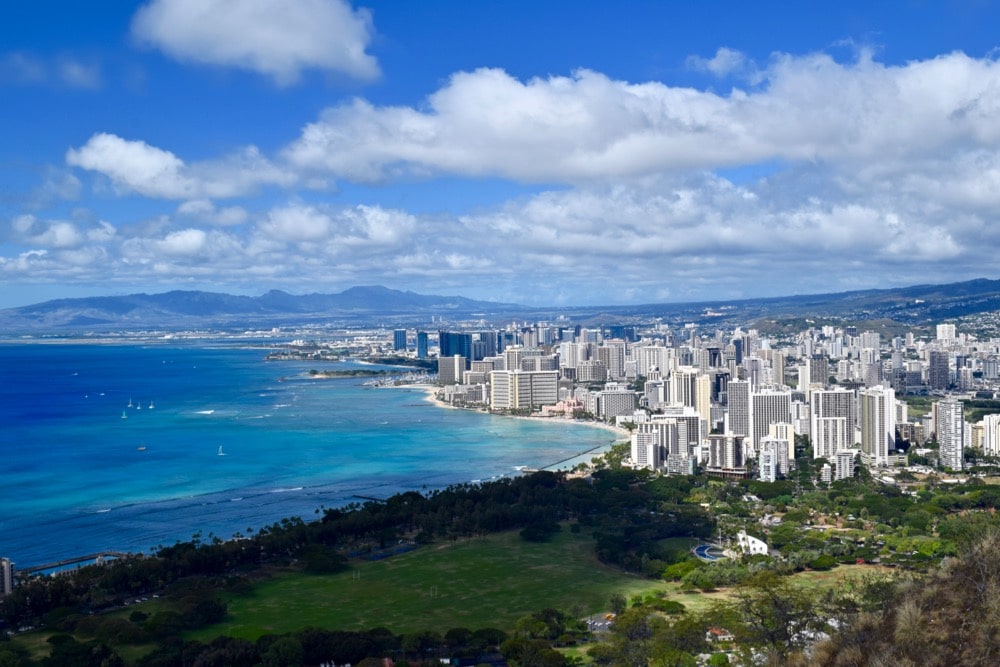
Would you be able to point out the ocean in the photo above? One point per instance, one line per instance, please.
(128, 447)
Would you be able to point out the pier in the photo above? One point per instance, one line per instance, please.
(98, 558)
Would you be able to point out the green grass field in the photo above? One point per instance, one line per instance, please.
(477, 583)
(482, 582)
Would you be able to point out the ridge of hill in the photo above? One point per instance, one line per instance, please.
(905, 306)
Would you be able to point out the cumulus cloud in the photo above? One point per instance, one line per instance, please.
(588, 127)
(278, 39)
(184, 242)
(296, 223)
(822, 176)
(47, 233)
(135, 166)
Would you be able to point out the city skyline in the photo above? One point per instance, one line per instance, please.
(563, 154)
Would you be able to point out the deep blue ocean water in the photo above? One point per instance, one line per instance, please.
(219, 441)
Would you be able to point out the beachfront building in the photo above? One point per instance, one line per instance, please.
(616, 399)
(451, 369)
(520, 390)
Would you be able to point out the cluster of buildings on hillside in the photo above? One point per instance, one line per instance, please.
(731, 403)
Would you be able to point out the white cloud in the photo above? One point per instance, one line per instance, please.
(135, 166)
(295, 223)
(588, 127)
(50, 234)
(725, 62)
(278, 39)
(205, 210)
(824, 176)
(184, 242)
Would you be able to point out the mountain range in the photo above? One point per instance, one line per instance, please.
(907, 306)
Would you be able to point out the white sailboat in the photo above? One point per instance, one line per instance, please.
(220, 451)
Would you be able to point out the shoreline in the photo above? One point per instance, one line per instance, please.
(430, 395)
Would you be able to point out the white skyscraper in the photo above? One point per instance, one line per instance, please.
(877, 419)
(831, 421)
(991, 435)
(951, 433)
(946, 332)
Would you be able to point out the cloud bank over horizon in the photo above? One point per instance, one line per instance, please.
(803, 173)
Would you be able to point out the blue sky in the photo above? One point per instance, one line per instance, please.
(535, 152)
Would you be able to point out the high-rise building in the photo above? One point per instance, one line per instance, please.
(845, 464)
(951, 433)
(615, 400)
(832, 419)
(767, 465)
(738, 415)
(946, 332)
(871, 340)
(725, 452)
(766, 408)
(517, 390)
(399, 339)
(592, 370)
(991, 435)
(877, 419)
(6, 576)
(692, 388)
(421, 344)
(451, 343)
(451, 369)
(784, 434)
(612, 353)
(938, 375)
(819, 370)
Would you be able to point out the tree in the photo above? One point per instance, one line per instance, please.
(776, 615)
(285, 652)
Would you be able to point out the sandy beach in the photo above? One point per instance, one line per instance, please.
(430, 395)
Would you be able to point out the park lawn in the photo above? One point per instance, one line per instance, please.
(482, 582)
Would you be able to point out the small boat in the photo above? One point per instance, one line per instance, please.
(130, 401)
(150, 405)
(124, 416)
(220, 451)
(141, 448)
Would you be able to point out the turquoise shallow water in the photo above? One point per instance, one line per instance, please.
(218, 441)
